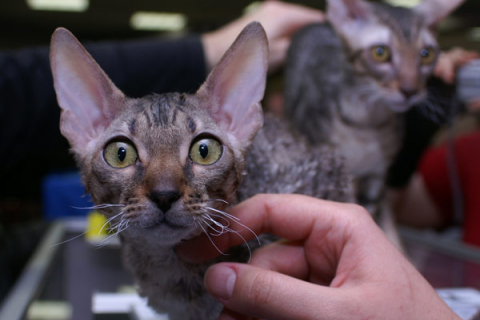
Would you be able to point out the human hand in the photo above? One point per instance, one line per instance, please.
(280, 21)
(450, 60)
(334, 264)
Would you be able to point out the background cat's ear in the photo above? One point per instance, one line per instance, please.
(347, 16)
(433, 11)
(236, 85)
(88, 98)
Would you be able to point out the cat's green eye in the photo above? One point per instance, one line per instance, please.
(120, 154)
(380, 54)
(428, 55)
(206, 151)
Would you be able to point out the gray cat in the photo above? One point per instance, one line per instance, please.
(164, 168)
(349, 81)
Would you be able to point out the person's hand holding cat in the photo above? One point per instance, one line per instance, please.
(450, 60)
(334, 264)
(280, 21)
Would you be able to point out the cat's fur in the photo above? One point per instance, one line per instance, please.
(336, 92)
(164, 197)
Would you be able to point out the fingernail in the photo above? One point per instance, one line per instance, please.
(221, 282)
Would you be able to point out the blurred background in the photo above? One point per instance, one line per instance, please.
(30, 23)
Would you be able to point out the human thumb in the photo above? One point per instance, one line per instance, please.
(266, 294)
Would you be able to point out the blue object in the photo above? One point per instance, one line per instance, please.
(64, 196)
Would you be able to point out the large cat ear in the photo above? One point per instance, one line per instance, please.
(433, 11)
(88, 98)
(347, 16)
(236, 85)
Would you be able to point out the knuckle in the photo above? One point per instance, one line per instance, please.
(358, 210)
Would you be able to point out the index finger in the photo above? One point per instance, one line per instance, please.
(292, 217)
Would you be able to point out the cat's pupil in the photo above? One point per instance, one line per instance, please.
(380, 51)
(425, 53)
(203, 150)
(122, 153)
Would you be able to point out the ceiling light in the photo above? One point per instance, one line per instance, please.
(252, 7)
(158, 21)
(59, 5)
(404, 3)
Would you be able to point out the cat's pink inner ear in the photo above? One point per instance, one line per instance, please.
(344, 11)
(89, 100)
(236, 85)
(433, 11)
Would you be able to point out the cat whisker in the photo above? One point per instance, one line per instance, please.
(227, 222)
(220, 200)
(223, 213)
(237, 220)
(110, 220)
(99, 206)
(90, 229)
(104, 242)
(120, 227)
(212, 223)
(225, 229)
(209, 238)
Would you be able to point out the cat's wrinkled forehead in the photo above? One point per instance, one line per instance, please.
(400, 23)
(404, 22)
(164, 117)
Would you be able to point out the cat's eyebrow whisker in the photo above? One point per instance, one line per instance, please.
(209, 238)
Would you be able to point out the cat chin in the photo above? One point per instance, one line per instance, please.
(399, 107)
(162, 234)
(402, 104)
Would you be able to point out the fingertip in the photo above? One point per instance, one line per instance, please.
(220, 281)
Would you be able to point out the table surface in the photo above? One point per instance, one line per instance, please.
(77, 269)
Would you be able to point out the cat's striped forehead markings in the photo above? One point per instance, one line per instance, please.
(160, 111)
(405, 24)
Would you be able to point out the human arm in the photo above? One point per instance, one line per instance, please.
(450, 60)
(280, 21)
(334, 264)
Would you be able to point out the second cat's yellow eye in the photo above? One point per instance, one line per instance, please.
(206, 151)
(119, 154)
(380, 54)
(428, 55)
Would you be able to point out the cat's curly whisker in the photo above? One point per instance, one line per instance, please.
(212, 222)
(223, 213)
(237, 220)
(218, 216)
(226, 229)
(219, 200)
(209, 238)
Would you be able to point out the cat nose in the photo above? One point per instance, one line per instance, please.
(165, 198)
(408, 93)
